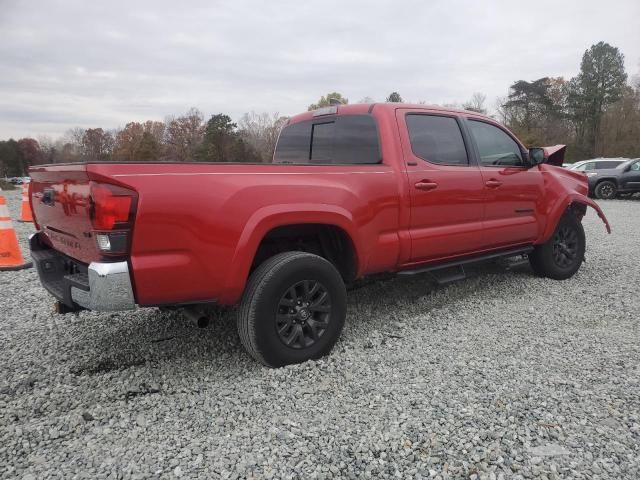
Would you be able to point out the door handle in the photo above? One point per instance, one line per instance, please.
(493, 183)
(426, 185)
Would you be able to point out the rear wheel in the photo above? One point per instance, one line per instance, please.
(606, 190)
(562, 255)
(293, 309)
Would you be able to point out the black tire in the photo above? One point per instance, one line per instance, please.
(561, 256)
(272, 313)
(606, 190)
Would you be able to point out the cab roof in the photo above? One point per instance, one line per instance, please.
(364, 108)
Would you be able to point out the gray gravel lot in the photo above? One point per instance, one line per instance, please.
(503, 375)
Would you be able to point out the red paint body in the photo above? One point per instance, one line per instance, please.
(197, 226)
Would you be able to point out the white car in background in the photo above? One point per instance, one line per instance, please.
(596, 164)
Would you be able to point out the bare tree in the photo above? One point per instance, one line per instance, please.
(97, 144)
(48, 148)
(69, 147)
(183, 135)
(156, 130)
(128, 141)
(476, 103)
(261, 130)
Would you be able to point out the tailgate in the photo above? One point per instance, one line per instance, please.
(61, 205)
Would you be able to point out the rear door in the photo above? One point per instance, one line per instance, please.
(445, 186)
(512, 192)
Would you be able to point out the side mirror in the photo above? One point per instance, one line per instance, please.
(536, 156)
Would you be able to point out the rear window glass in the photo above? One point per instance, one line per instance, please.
(437, 139)
(348, 139)
(322, 142)
(294, 144)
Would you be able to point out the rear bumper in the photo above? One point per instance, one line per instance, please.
(98, 286)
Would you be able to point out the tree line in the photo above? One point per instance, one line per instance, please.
(596, 113)
(183, 138)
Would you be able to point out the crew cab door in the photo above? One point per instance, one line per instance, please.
(513, 192)
(446, 189)
(630, 179)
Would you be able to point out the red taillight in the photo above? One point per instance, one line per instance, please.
(112, 212)
(111, 206)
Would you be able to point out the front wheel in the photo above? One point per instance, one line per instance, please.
(293, 309)
(561, 256)
(606, 190)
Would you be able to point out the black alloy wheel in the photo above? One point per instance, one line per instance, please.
(565, 247)
(293, 309)
(304, 313)
(561, 256)
(606, 190)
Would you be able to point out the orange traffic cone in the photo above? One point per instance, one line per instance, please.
(25, 213)
(10, 256)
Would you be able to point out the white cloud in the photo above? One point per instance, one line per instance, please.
(68, 63)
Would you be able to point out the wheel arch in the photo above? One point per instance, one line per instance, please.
(576, 203)
(614, 180)
(277, 221)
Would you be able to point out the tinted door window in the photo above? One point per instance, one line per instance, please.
(357, 140)
(349, 139)
(437, 139)
(496, 148)
(635, 167)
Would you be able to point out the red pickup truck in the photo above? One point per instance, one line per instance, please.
(353, 190)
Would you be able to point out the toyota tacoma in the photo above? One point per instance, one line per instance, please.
(352, 191)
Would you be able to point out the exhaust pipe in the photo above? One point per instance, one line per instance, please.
(196, 315)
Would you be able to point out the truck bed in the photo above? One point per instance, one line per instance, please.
(202, 218)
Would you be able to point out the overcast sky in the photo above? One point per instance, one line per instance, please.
(105, 63)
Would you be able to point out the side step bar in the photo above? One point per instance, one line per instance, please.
(459, 273)
(443, 276)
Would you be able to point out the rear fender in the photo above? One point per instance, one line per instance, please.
(561, 207)
(266, 219)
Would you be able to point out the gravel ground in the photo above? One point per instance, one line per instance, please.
(503, 375)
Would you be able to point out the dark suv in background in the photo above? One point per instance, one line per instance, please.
(609, 183)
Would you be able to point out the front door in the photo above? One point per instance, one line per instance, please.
(513, 192)
(446, 189)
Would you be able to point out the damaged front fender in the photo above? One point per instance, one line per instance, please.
(586, 201)
(565, 189)
(572, 201)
